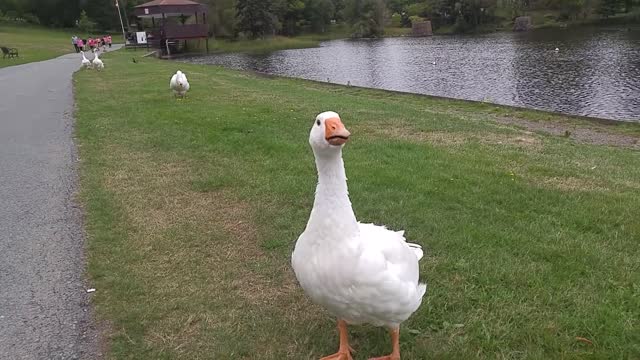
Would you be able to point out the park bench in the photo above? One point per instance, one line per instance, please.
(10, 52)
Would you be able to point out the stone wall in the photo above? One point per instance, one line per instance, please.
(522, 23)
(421, 28)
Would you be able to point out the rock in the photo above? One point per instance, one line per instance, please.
(522, 23)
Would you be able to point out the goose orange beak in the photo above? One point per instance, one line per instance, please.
(335, 132)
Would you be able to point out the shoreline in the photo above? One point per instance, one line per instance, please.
(278, 42)
(542, 112)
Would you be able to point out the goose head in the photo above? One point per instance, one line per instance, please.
(328, 134)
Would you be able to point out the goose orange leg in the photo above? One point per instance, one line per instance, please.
(395, 340)
(344, 351)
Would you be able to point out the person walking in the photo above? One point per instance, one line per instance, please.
(74, 41)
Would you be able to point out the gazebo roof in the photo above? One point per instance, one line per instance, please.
(169, 8)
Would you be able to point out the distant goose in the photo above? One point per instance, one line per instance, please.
(97, 63)
(179, 84)
(85, 62)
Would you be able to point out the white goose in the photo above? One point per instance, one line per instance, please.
(97, 63)
(85, 62)
(179, 84)
(361, 273)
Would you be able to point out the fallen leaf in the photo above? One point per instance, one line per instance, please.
(584, 340)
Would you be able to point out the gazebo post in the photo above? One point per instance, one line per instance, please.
(204, 21)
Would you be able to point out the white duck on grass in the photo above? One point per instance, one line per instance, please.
(361, 273)
(179, 84)
(97, 63)
(85, 62)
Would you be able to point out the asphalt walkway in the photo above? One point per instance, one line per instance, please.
(45, 310)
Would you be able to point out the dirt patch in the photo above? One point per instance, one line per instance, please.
(568, 184)
(579, 134)
(445, 138)
(158, 199)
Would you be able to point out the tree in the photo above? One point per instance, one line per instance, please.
(289, 14)
(222, 17)
(103, 12)
(47, 12)
(609, 7)
(397, 6)
(366, 17)
(255, 19)
(85, 24)
(319, 14)
(338, 9)
(570, 9)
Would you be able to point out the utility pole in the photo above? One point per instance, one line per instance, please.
(124, 36)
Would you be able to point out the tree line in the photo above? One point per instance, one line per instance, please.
(364, 18)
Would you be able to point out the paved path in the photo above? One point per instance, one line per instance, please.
(44, 307)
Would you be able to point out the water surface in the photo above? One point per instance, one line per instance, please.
(596, 71)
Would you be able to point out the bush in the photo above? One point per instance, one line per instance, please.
(396, 20)
(415, 18)
(422, 9)
(31, 19)
(11, 15)
(461, 25)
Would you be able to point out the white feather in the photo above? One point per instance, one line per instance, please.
(85, 62)
(97, 63)
(362, 273)
(179, 84)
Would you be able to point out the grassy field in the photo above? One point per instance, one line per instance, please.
(34, 43)
(193, 207)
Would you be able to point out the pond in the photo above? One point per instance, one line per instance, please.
(595, 71)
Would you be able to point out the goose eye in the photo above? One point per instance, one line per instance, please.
(318, 122)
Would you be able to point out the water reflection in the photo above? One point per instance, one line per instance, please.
(595, 73)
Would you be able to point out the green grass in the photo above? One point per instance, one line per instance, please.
(396, 31)
(193, 207)
(551, 19)
(34, 43)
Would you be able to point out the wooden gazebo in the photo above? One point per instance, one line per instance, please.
(164, 31)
